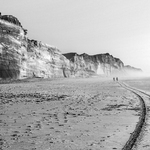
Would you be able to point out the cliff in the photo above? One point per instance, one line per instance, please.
(132, 71)
(101, 64)
(21, 57)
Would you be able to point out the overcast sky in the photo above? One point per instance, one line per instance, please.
(119, 27)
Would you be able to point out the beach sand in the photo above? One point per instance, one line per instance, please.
(140, 83)
(66, 114)
(143, 84)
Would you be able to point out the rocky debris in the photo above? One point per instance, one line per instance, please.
(25, 31)
(33, 42)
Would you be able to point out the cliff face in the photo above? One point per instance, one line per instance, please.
(21, 57)
(101, 64)
(132, 71)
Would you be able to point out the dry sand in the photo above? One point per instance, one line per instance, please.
(143, 84)
(66, 114)
(139, 83)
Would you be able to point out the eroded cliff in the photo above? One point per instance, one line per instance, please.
(21, 57)
(132, 71)
(100, 64)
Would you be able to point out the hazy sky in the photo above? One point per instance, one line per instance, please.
(119, 27)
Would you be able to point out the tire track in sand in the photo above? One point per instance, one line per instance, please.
(138, 129)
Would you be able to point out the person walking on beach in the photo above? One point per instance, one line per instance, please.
(116, 78)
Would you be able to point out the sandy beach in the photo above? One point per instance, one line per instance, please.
(140, 83)
(67, 114)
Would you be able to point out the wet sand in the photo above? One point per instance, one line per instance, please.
(66, 114)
